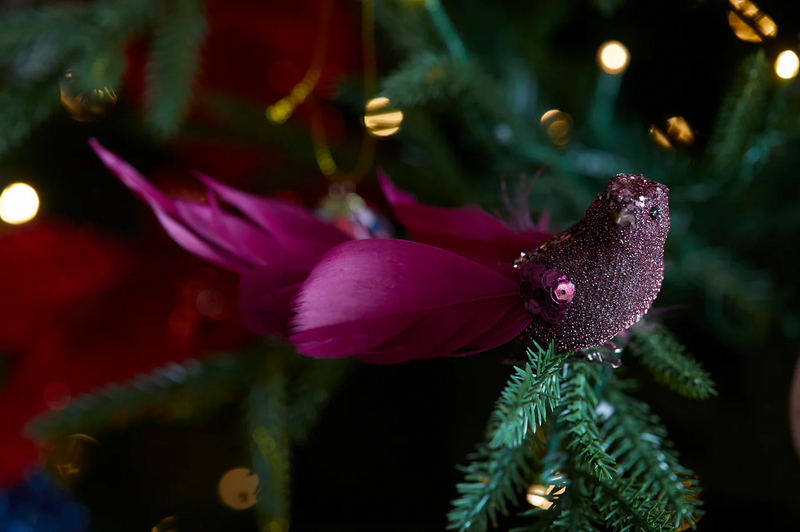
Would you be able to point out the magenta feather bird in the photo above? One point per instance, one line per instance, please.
(390, 301)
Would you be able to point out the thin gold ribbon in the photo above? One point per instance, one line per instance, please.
(283, 109)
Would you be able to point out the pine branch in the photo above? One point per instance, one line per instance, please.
(405, 24)
(741, 112)
(579, 417)
(174, 391)
(638, 442)
(737, 296)
(493, 479)
(575, 512)
(174, 62)
(429, 77)
(529, 396)
(269, 443)
(572, 512)
(670, 365)
(23, 108)
(624, 505)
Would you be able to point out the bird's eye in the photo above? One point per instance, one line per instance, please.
(654, 213)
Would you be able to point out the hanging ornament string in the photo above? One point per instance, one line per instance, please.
(282, 110)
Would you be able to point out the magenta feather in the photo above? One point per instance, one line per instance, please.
(387, 301)
(468, 228)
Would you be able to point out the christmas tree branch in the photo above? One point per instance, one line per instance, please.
(666, 358)
(624, 505)
(429, 77)
(174, 391)
(574, 512)
(638, 442)
(531, 393)
(174, 61)
(741, 112)
(492, 480)
(269, 443)
(578, 418)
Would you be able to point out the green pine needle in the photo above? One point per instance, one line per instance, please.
(429, 78)
(578, 418)
(23, 108)
(173, 391)
(741, 113)
(499, 469)
(625, 506)
(494, 478)
(638, 442)
(530, 394)
(174, 62)
(269, 442)
(669, 363)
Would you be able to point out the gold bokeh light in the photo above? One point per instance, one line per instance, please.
(537, 496)
(238, 488)
(613, 57)
(680, 130)
(381, 121)
(558, 126)
(548, 115)
(658, 136)
(19, 203)
(85, 107)
(787, 65)
(749, 23)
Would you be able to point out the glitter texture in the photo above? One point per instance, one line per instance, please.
(615, 259)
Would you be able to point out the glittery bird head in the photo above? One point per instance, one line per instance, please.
(631, 208)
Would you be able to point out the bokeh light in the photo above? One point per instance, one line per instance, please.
(749, 23)
(19, 203)
(168, 524)
(787, 64)
(85, 107)
(613, 57)
(548, 115)
(381, 121)
(536, 495)
(238, 488)
(558, 126)
(680, 130)
(67, 458)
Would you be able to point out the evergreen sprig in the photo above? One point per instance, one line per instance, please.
(174, 391)
(38, 46)
(669, 363)
(572, 512)
(741, 113)
(579, 421)
(173, 65)
(531, 393)
(434, 78)
(638, 442)
(494, 478)
(269, 442)
(625, 505)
